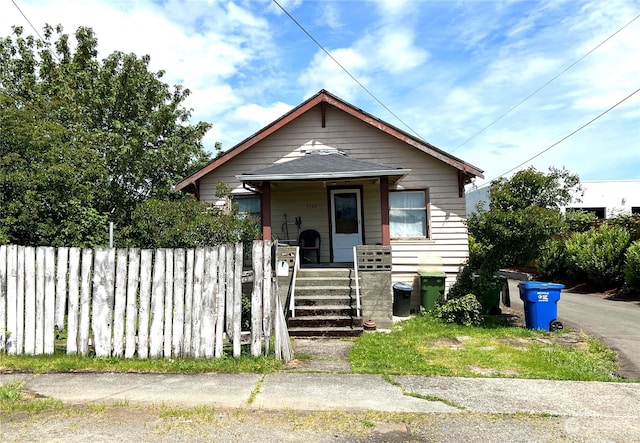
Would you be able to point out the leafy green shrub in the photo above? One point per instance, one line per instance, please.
(579, 221)
(598, 254)
(465, 310)
(552, 262)
(186, 223)
(632, 268)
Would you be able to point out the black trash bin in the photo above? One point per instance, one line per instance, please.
(402, 299)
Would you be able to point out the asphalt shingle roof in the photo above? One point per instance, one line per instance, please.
(325, 164)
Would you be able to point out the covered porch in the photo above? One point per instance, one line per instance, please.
(344, 200)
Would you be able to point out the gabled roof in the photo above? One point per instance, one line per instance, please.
(325, 97)
(322, 166)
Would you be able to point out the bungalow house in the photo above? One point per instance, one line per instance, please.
(329, 167)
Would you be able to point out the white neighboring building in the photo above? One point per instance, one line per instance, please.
(605, 198)
(608, 198)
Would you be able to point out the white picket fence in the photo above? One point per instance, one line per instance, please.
(160, 303)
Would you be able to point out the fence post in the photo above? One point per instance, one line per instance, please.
(256, 299)
(237, 301)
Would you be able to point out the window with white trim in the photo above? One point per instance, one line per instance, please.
(408, 214)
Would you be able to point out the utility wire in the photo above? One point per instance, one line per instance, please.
(563, 138)
(544, 85)
(345, 69)
(34, 28)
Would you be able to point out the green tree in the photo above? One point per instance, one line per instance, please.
(85, 140)
(524, 213)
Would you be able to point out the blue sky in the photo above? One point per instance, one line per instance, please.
(445, 69)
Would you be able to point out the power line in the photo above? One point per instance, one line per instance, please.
(34, 29)
(543, 86)
(563, 138)
(345, 69)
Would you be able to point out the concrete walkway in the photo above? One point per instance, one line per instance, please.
(348, 392)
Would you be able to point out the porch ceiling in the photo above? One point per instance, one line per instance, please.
(322, 166)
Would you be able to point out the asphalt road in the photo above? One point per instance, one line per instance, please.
(615, 322)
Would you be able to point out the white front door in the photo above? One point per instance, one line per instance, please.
(346, 226)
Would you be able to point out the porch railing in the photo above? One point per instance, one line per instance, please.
(355, 267)
(292, 299)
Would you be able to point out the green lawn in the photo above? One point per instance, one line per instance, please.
(418, 346)
(424, 346)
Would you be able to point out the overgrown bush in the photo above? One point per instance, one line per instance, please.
(186, 223)
(552, 262)
(598, 255)
(465, 310)
(579, 221)
(632, 268)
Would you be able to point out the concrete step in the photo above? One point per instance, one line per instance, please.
(343, 291)
(325, 321)
(303, 282)
(324, 273)
(306, 311)
(321, 300)
(325, 332)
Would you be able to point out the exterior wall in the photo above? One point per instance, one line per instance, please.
(445, 250)
(614, 196)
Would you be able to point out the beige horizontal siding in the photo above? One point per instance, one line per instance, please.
(447, 248)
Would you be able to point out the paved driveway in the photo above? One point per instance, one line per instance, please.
(616, 323)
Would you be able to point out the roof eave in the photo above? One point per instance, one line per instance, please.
(322, 175)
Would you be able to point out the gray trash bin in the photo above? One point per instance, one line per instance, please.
(402, 299)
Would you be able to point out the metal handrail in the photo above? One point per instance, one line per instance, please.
(355, 267)
(296, 266)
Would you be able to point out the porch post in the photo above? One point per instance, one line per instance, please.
(384, 209)
(266, 210)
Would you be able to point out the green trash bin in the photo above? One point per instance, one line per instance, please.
(431, 289)
(491, 300)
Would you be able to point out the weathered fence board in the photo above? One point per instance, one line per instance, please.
(188, 303)
(40, 278)
(237, 301)
(74, 300)
(131, 312)
(120, 303)
(29, 300)
(3, 297)
(197, 303)
(62, 263)
(85, 301)
(132, 303)
(178, 303)
(168, 302)
(146, 263)
(49, 300)
(157, 305)
(207, 321)
(12, 297)
(256, 300)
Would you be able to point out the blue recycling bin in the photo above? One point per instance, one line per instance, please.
(541, 304)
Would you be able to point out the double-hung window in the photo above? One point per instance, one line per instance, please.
(408, 214)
